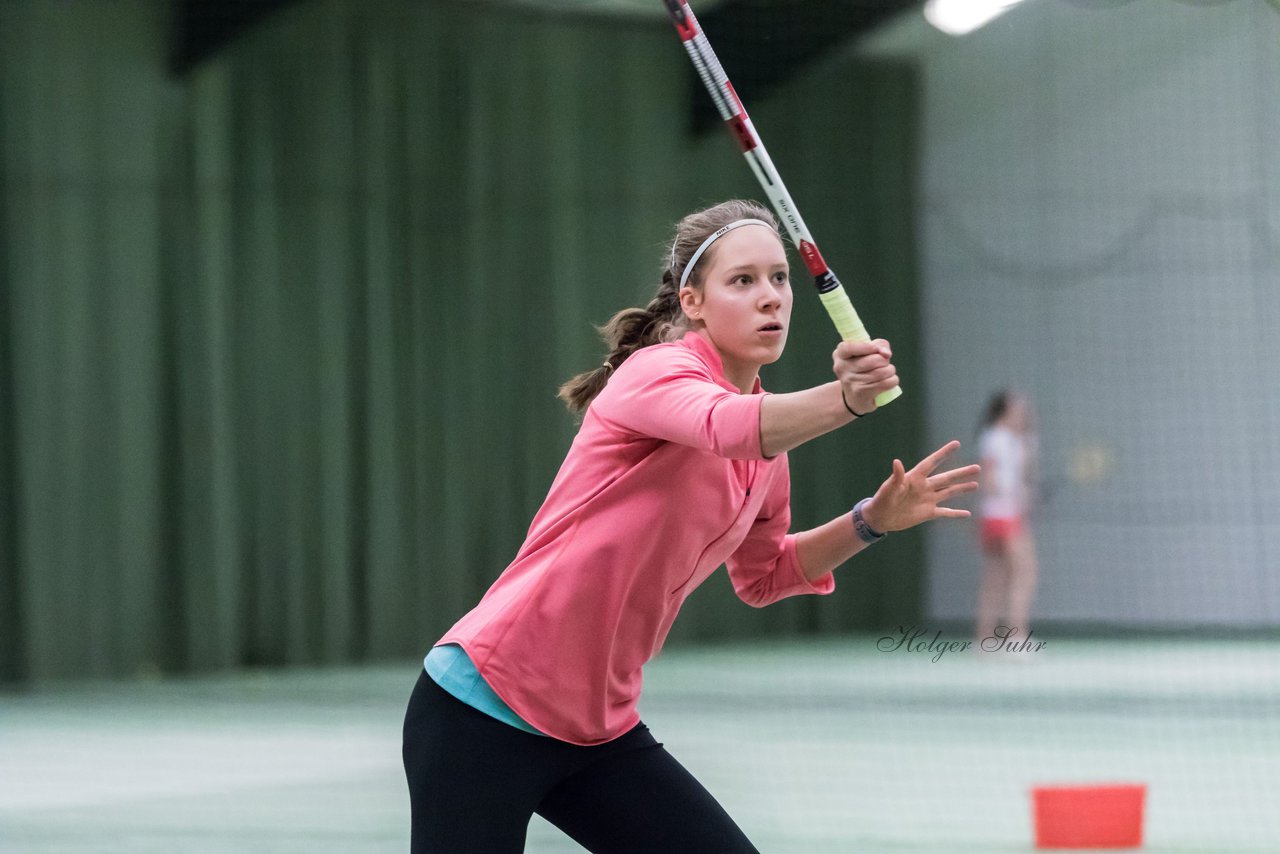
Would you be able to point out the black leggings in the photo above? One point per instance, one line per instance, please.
(474, 783)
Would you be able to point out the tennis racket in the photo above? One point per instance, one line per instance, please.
(830, 291)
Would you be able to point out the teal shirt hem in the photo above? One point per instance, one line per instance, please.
(452, 669)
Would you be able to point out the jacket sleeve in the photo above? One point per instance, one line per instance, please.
(668, 393)
(765, 568)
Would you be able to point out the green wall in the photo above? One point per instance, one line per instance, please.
(282, 336)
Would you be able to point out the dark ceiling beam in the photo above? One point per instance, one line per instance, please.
(761, 43)
(764, 43)
(202, 27)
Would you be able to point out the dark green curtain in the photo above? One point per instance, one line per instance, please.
(282, 336)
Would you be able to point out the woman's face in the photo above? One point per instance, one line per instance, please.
(744, 303)
(1018, 415)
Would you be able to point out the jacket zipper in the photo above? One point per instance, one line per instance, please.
(751, 479)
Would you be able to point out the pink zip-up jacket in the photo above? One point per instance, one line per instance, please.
(664, 482)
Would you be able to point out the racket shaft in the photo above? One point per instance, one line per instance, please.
(729, 105)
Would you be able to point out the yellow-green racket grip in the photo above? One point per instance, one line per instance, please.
(851, 329)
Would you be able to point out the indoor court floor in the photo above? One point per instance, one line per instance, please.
(829, 746)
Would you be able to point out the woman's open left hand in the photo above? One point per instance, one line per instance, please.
(908, 498)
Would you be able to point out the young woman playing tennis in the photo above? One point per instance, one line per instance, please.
(528, 704)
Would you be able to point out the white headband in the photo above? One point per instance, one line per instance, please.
(688, 268)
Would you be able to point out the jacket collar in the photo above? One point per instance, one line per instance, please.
(700, 344)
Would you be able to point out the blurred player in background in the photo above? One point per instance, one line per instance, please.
(1007, 449)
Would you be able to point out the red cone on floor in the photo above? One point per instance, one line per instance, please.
(1089, 816)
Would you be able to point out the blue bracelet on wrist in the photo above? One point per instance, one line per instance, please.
(865, 532)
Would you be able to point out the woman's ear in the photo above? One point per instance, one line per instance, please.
(691, 302)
